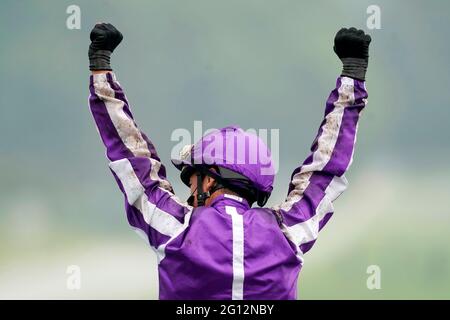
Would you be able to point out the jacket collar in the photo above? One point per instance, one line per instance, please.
(229, 200)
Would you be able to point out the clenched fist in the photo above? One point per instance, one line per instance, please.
(104, 39)
(352, 47)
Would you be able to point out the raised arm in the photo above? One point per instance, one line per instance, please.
(321, 178)
(152, 208)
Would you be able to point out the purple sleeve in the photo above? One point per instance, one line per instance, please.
(320, 179)
(151, 207)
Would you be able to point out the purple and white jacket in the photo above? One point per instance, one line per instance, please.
(227, 250)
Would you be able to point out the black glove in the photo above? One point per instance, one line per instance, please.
(352, 47)
(105, 38)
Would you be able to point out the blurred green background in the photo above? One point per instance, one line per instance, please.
(259, 64)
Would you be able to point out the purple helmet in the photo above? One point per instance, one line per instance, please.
(243, 160)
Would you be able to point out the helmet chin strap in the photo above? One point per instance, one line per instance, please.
(202, 195)
(191, 198)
